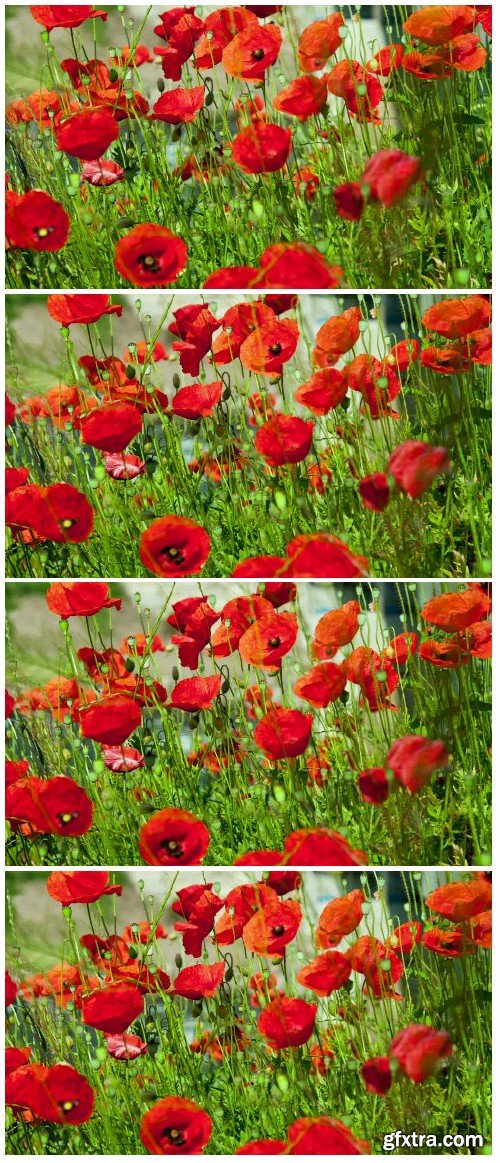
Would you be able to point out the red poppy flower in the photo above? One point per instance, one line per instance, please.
(400, 648)
(56, 1094)
(380, 966)
(87, 134)
(14, 770)
(449, 654)
(359, 88)
(386, 60)
(302, 98)
(125, 1047)
(261, 148)
(69, 309)
(122, 467)
(179, 106)
(375, 492)
(197, 981)
(174, 547)
(376, 1075)
(319, 41)
(35, 221)
(196, 694)
(460, 900)
(111, 426)
(296, 264)
(80, 599)
(335, 629)
(390, 173)
(194, 324)
(59, 512)
(197, 400)
(57, 806)
(65, 15)
(238, 322)
(73, 888)
(10, 989)
(438, 24)
(287, 1021)
(262, 1147)
(15, 478)
(339, 918)
(405, 937)
(271, 928)
(413, 759)
(220, 28)
(455, 318)
(323, 1136)
(102, 172)
(175, 1126)
(150, 256)
(283, 733)
(415, 464)
(268, 640)
(251, 52)
(322, 555)
(373, 785)
(456, 611)
(321, 685)
(418, 1049)
(321, 846)
(284, 440)
(326, 973)
(113, 1007)
(270, 346)
(323, 391)
(173, 836)
(200, 917)
(448, 942)
(482, 930)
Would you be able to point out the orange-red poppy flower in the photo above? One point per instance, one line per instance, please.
(418, 1049)
(271, 928)
(321, 685)
(329, 971)
(175, 1126)
(261, 148)
(266, 642)
(287, 1021)
(174, 547)
(173, 836)
(302, 98)
(319, 41)
(460, 900)
(150, 256)
(252, 51)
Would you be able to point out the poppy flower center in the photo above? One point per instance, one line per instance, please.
(173, 848)
(173, 1136)
(278, 930)
(68, 522)
(172, 552)
(274, 641)
(258, 54)
(68, 1105)
(67, 817)
(43, 231)
(150, 262)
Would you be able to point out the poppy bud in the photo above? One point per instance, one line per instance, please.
(160, 84)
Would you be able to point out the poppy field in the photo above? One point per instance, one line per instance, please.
(278, 436)
(266, 1013)
(279, 724)
(248, 147)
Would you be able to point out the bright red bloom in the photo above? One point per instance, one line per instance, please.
(413, 759)
(10, 990)
(59, 512)
(455, 318)
(303, 97)
(174, 547)
(296, 264)
(321, 685)
(86, 135)
(270, 346)
(400, 648)
(335, 629)
(336, 337)
(405, 937)
(196, 694)
(268, 640)
(390, 173)
(179, 106)
(113, 1007)
(221, 27)
(251, 52)
(449, 654)
(283, 733)
(377, 1076)
(482, 930)
(261, 148)
(122, 758)
(414, 465)
(359, 88)
(102, 172)
(197, 981)
(386, 60)
(111, 426)
(323, 1135)
(460, 900)
(373, 785)
(56, 1094)
(448, 942)
(339, 918)
(321, 846)
(287, 1021)
(440, 23)
(349, 201)
(271, 928)
(279, 593)
(57, 806)
(456, 611)
(175, 1126)
(65, 15)
(150, 256)
(125, 1047)
(418, 1049)
(34, 221)
(284, 440)
(74, 888)
(375, 492)
(111, 720)
(15, 478)
(194, 324)
(319, 41)
(380, 965)
(68, 309)
(322, 555)
(326, 973)
(80, 599)
(196, 400)
(173, 836)
(238, 323)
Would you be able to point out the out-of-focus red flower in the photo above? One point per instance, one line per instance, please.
(321, 685)
(415, 464)
(359, 88)
(35, 221)
(448, 942)
(375, 492)
(326, 973)
(323, 391)
(111, 720)
(283, 733)
(321, 846)
(335, 629)
(196, 694)
(349, 201)
(150, 256)
(80, 599)
(252, 51)
(373, 785)
(55, 1094)
(262, 1147)
(376, 1075)
(449, 654)
(322, 1135)
(175, 1126)
(57, 806)
(438, 24)
(174, 547)
(418, 1049)
(390, 173)
(303, 97)
(173, 836)
(386, 60)
(197, 981)
(73, 888)
(58, 512)
(261, 148)
(178, 106)
(287, 1021)
(319, 41)
(413, 759)
(296, 264)
(284, 440)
